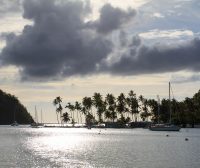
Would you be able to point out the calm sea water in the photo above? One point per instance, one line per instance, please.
(23, 147)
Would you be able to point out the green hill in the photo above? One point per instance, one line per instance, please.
(12, 110)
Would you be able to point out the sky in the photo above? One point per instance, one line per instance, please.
(73, 48)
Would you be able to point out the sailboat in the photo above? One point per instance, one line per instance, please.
(36, 124)
(165, 127)
(14, 124)
(14, 116)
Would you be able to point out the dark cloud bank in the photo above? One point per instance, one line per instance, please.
(62, 43)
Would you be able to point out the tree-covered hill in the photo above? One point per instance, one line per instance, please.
(12, 110)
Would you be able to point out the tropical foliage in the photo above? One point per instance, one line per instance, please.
(57, 102)
(131, 108)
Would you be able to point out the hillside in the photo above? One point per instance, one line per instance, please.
(12, 110)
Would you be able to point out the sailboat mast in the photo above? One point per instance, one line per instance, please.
(41, 117)
(169, 104)
(14, 113)
(36, 117)
(158, 108)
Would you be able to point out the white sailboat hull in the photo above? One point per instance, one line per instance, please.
(163, 127)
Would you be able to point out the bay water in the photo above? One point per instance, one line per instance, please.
(26, 147)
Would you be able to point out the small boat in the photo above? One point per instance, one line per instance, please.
(98, 126)
(14, 124)
(165, 127)
(37, 125)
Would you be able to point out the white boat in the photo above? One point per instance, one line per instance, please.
(165, 127)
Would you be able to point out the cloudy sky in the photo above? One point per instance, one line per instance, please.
(74, 48)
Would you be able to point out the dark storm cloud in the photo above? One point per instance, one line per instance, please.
(57, 43)
(112, 18)
(61, 43)
(123, 38)
(158, 59)
(7, 36)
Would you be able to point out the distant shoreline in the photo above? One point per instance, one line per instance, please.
(54, 125)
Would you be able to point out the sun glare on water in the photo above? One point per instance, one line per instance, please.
(62, 146)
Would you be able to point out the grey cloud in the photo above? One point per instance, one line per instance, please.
(158, 59)
(123, 38)
(185, 79)
(57, 44)
(136, 41)
(7, 36)
(112, 18)
(60, 43)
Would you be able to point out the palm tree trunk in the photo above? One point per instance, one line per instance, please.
(81, 118)
(61, 119)
(73, 116)
(77, 117)
(57, 117)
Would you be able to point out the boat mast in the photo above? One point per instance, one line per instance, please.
(14, 115)
(41, 117)
(169, 104)
(158, 108)
(36, 117)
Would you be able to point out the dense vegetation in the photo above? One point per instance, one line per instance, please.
(12, 110)
(130, 108)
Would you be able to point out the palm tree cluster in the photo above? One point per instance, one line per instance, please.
(130, 108)
(97, 109)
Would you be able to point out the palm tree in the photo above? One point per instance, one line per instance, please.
(111, 111)
(87, 103)
(77, 107)
(133, 105)
(87, 110)
(196, 100)
(65, 117)
(57, 102)
(190, 111)
(144, 108)
(121, 104)
(107, 114)
(99, 104)
(154, 110)
(71, 108)
(175, 112)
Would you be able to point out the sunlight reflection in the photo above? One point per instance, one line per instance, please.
(62, 146)
(56, 139)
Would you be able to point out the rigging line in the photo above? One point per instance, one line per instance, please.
(176, 107)
(172, 92)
